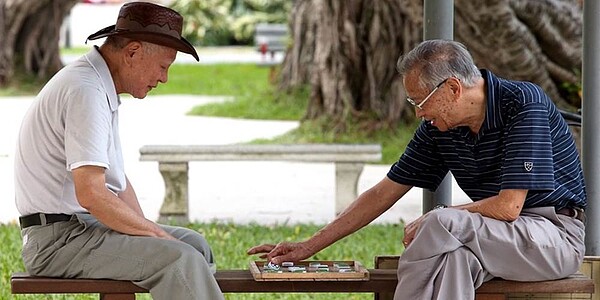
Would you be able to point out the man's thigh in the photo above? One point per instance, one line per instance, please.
(538, 245)
(86, 248)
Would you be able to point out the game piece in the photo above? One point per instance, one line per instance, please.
(287, 264)
(272, 266)
(297, 269)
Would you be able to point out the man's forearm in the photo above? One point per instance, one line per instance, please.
(506, 206)
(361, 212)
(108, 208)
(130, 198)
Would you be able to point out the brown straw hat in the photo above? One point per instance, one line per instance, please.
(150, 23)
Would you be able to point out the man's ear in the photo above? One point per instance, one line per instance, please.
(455, 87)
(133, 50)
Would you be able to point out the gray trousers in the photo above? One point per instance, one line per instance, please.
(455, 251)
(85, 248)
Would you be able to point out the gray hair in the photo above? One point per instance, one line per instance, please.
(438, 60)
(118, 42)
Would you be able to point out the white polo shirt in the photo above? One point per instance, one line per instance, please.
(72, 123)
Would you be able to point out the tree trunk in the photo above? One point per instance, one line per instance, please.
(29, 31)
(533, 40)
(346, 51)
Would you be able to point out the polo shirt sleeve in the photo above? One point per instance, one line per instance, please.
(88, 122)
(420, 165)
(528, 162)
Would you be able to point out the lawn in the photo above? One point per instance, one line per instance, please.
(230, 242)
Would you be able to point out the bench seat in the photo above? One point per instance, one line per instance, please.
(349, 160)
(241, 281)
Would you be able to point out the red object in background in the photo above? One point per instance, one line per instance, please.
(263, 48)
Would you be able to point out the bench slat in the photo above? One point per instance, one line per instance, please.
(23, 283)
(241, 281)
(576, 283)
(293, 152)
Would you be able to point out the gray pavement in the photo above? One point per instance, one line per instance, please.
(261, 192)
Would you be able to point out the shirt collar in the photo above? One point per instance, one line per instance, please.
(97, 62)
(493, 118)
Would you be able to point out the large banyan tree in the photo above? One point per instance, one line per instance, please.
(346, 51)
(29, 34)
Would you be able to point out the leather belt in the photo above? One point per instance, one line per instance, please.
(42, 219)
(573, 212)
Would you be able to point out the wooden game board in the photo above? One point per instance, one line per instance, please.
(357, 272)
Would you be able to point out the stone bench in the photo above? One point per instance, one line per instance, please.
(173, 162)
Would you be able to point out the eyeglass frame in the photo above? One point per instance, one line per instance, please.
(420, 105)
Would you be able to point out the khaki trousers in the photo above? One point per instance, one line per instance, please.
(85, 248)
(455, 251)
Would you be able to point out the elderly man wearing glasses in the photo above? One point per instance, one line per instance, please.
(512, 153)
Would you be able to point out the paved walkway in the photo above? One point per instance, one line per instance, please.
(261, 192)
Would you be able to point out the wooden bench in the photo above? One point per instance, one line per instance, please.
(500, 289)
(173, 161)
(382, 283)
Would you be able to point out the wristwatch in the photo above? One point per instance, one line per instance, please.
(439, 206)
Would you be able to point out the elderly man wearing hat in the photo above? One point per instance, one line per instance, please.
(80, 216)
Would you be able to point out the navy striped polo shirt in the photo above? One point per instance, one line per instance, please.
(524, 143)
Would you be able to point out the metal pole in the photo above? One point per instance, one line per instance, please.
(591, 122)
(438, 23)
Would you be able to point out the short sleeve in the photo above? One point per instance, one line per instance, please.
(88, 122)
(528, 162)
(421, 164)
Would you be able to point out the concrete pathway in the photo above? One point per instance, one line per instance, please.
(240, 192)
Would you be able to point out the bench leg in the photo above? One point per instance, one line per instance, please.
(117, 296)
(175, 204)
(346, 184)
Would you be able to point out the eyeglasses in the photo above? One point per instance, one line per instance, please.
(420, 105)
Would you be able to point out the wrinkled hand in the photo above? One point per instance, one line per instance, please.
(284, 251)
(410, 230)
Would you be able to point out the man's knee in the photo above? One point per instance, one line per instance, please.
(448, 218)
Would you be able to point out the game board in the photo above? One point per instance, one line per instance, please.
(309, 271)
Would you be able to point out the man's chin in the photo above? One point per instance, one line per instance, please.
(139, 96)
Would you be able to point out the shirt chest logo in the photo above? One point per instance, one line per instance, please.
(528, 165)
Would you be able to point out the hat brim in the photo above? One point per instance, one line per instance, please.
(152, 37)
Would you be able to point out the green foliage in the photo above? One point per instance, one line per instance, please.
(228, 22)
(229, 243)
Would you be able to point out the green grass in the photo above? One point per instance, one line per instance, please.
(393, 141)
(22, 85)
(214, 79)
(230, 242)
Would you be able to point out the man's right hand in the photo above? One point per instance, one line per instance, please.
(284, 251)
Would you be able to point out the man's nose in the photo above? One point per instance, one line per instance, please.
(164, 77)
